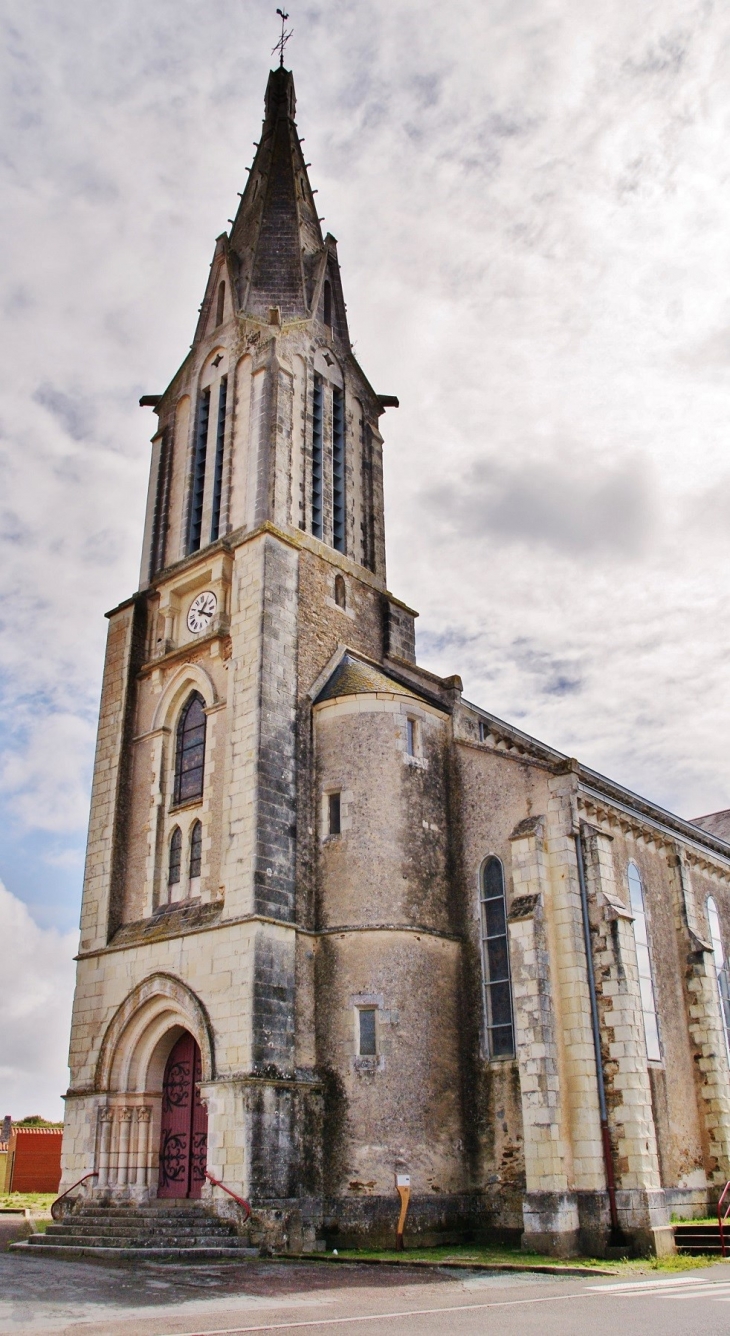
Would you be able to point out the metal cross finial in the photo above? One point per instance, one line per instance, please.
(284, 37)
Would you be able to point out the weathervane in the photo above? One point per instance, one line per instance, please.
(284, 37)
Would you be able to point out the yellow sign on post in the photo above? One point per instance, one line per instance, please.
(403, 1184)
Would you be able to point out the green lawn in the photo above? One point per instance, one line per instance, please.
(515, 1257)
(34, 1201)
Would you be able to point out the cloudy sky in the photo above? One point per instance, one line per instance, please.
(532, 203)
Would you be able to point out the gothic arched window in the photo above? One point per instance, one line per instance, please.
(721, 968)
(495, 962)
(196, 849)
(190, 750)
(643, 961)
(175, 859)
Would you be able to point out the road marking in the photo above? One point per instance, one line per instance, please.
(650, 1288)
(621, 1286)
(375, 1317)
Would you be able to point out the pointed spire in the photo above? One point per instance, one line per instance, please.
(276, 240)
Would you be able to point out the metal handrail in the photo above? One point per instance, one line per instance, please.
(722, 1218)
(240, 1200)
(57, 1214)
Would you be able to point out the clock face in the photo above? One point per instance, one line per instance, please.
(202, 611)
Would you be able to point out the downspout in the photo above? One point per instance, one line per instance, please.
(616, 1231)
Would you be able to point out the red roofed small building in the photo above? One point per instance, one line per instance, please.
(34, 1159)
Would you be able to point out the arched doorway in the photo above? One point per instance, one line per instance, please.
(184, 1123)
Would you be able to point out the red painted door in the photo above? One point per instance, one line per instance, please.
(184, 1132)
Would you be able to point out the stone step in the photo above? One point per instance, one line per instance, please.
(693, 1239)
(86, 1226)
(75, 1254)
(145, 1243)
(144, 1235)
(146, 1210)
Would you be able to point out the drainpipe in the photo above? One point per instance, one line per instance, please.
(616, 1231)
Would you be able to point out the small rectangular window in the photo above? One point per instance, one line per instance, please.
(411, 737)
(366, 1036)
(334, 827)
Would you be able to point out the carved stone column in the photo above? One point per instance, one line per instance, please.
(125, 1128)
(640, 1199)
(550, 1210)
(144, 1113)
(106, 1121)
(706, 1034)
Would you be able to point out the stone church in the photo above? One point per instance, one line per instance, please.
(338, 923)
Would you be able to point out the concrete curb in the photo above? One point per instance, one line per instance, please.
(545, 1268)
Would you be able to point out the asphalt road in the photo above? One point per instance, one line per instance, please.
(69, 1299)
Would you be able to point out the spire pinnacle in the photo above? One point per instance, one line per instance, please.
(283, 39)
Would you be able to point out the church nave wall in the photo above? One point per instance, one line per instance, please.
(397, 1106)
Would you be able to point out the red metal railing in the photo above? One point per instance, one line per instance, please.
(722, 1217)
(55, 1212)
(240, 1200)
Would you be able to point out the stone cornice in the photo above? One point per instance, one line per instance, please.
(177, 932)
(505, 740)
(665, 835)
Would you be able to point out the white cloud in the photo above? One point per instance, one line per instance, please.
(38, 975)
(534, 224)
(47, 781)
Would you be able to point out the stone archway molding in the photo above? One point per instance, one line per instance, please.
(157, 1005)
(189, 677)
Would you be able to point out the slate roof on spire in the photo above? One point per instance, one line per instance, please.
(276, 242)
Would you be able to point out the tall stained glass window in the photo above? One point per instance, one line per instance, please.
(196, 849)
(721, 969)
(190, 750)
(317, 427)
(173, 869)
(643, 960)
(496, 982)
(220, 442)
(338, 470)
(198, 479)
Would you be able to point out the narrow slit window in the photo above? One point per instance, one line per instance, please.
(220, 442)
(721, 969)
(328, 303)
(175, 859)
(196, 850)
(340, 592)
(367, 1046)
(643, 961)
(338, 470)
(411, 737)
(496, 980)
(334, 826)
(198, 478)
(221, 304)
(317, 416)
(190, 750)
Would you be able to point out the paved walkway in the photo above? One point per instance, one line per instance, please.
(44, 1296)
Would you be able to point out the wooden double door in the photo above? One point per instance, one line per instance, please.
(184, 1130)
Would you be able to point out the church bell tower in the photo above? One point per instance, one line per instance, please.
(263, 559)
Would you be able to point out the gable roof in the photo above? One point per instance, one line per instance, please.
(354, 677)
(715, 823)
